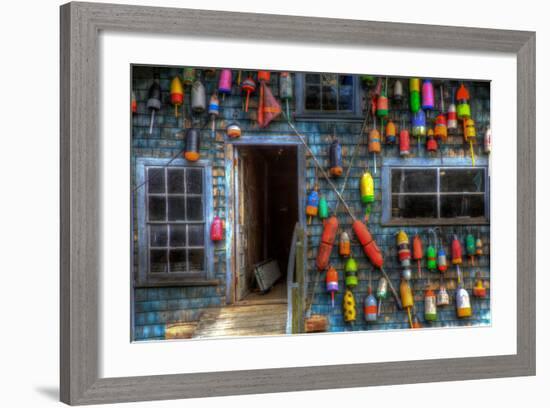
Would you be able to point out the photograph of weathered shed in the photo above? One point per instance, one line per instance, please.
(276, 203)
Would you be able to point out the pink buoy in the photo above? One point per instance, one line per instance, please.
(226, 79)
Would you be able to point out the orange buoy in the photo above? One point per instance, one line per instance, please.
(370, 248)
(326, 243)
(344, 245)
(418, 252)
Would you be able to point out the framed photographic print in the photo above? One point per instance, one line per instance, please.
(260, 203)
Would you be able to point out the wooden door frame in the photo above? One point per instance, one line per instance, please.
(231, 195)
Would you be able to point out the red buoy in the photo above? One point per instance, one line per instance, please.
(216, 229)
(369, 245)
(327, 241)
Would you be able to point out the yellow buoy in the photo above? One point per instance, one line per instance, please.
(350, 313)
(176, 93)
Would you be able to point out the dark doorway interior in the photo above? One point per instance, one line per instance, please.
(268, 211)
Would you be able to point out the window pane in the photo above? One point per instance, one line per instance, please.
(158, 260)
(158, 235)
(177, 235)
(155, 180)
(196, 260)
(414, 181)
(345, 101)
(313, 100)
(346, 80)
(178, 261)
(329, 98)
(462, 205)
(157, 208)
(176, 182)
(196, 235)
(176, 209)
(194, 209)
(194, 181)
(313, 78)
(414, 206)
(462, 180)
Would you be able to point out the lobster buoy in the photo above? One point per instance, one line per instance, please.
(407, 299)
(153, 100)
(370, 248)
(326, 243)
(286, 90)
(404, 142)
(198, 97)
(479, 289)
(188, 76)
(366, 186)
(463, 306)
(248, 86)
(176, 94)
(382, 105)
(471, 248)
(214, 107)
(479, 247)
(391, 132)
(463, 107)
(344, 246)
(335, 156)
(403, 249)
(442, 295)
(225, 81)
(370, 307)
(470, 136)
(431, 143)
(440, 130)
(487, 141)
(332, 282)
(216, 229)
(323, 208)
(350, 312)
(406, 273)
(452, 121)
(398, 90)
(419, 124)
(192, 144)
(441, 260)
(350, 270)
(133, 103)
(427, 95)
(312, 205)
(456, 251)
(431, 258)
(381, 292)
(233, 131)
(418, 253)
(374, 141)
(414, 94)
(430, 306)
(264, 76)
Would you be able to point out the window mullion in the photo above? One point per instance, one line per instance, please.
(166, 218)
(438, 186)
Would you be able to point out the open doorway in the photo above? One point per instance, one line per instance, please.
(267, 204)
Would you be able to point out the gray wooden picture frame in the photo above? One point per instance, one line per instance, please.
(81, 24)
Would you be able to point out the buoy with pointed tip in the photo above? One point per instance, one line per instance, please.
(430, 305)
(463, 106)
(370, 308)
(344, 245)
(312, 205)
(350, 270)
(153, 101)
(335, 158)
(403, 249)
(332, 282)
(330, 229)
(192, 144)
(248, 86)
(176, 94)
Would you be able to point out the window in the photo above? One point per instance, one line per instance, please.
(435, 193)
(327, 95)
(172, 232)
